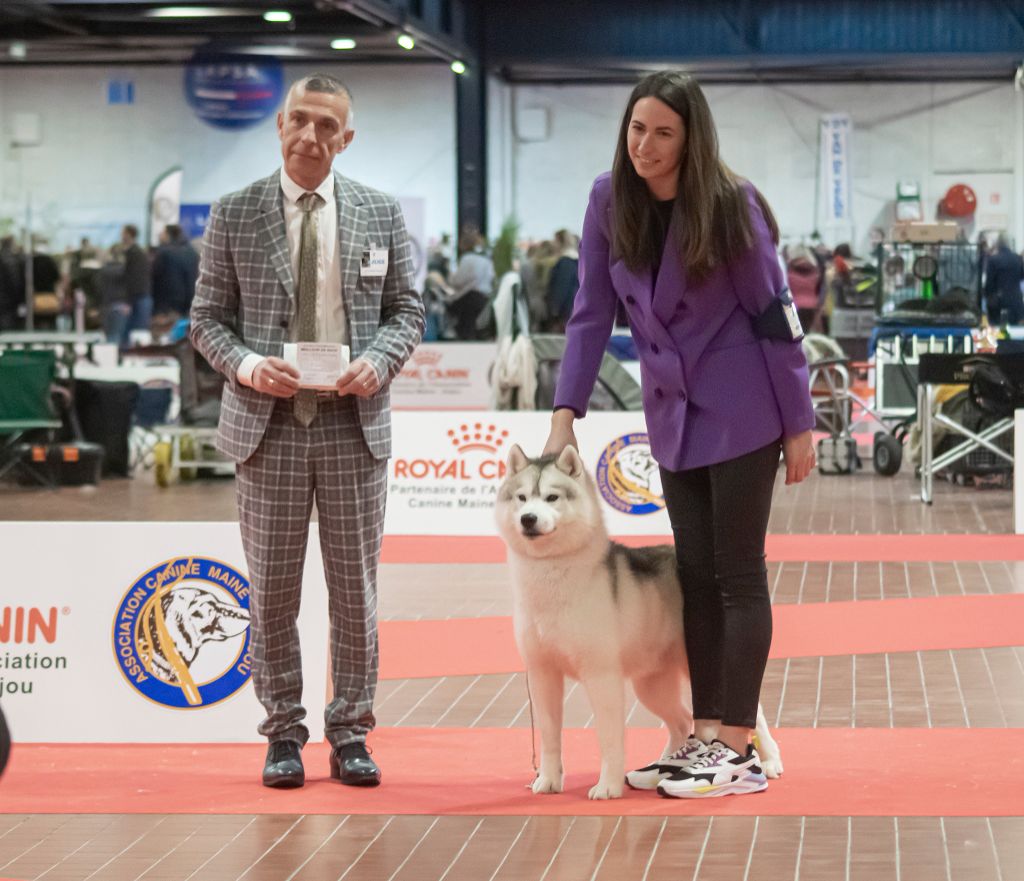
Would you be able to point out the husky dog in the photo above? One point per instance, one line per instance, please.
(193, 617)
(595, 611)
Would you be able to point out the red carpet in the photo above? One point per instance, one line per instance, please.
(471, 646)
(829, 772)
(780, 548)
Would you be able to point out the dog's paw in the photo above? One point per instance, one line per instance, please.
(546, 784)
(605, 790)
(772, 767)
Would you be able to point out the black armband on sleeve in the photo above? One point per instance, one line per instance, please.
(780, 320)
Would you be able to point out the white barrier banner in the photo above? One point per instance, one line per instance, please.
(139, 632)
(446, 469)
(445, 376)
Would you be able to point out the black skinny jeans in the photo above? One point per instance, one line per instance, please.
(719, 515)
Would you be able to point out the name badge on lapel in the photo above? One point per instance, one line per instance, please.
(374, 263)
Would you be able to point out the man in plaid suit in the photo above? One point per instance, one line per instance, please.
(288, 259)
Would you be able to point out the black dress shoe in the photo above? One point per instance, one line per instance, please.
(283, 768)
(352, 765)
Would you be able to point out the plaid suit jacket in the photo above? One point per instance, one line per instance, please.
(245, 301)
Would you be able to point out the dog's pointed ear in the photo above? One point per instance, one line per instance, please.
(569, 462)
(517, 460)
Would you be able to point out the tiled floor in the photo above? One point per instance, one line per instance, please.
(961, 688)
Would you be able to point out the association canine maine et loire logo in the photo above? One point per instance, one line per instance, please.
(181, 633)
(628, 477)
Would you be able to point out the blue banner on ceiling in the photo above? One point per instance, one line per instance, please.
(233, 91)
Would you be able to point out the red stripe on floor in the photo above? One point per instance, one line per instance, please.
(472, 646)
(780, 548)
(829, 772)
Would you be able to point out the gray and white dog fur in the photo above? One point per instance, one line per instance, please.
(597, 612)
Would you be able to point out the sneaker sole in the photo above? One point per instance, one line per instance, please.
(754, 783)
(652, 780)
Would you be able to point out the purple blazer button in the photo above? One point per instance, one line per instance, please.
(658, 393)
(655, 349)
(682, 396)
(631, 300)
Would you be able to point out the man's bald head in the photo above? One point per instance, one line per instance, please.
(314, 127)
(325, 84)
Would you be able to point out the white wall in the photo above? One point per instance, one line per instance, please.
(934, 134)
(96, 163)
(95, 166)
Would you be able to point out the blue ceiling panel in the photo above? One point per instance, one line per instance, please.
(987, 35)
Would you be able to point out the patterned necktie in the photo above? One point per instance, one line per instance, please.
(305, 399)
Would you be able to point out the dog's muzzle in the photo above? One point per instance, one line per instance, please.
(529, 524)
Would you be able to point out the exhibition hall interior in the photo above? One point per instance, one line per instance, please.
(412, 411)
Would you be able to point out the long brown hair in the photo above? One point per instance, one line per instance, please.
(712, 220)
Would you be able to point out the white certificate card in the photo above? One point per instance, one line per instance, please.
(320, 364)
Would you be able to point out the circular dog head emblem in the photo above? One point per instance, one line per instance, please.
(181, 633)
(628, 477)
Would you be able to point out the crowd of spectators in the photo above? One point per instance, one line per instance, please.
(124, 287)
(460, 287)
(116, 289)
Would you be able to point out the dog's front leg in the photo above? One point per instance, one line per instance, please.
(608, 700)
(767, 748)
(546, 690)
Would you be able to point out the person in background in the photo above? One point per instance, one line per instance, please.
(12, 284)
(175, 270)
(83, 267)
(112, 289)
(541, 258)
(804, 276)
(1004, 272)
(563, 281)
(439, 259)
(137, 282)
(690, 249)
(471, 285)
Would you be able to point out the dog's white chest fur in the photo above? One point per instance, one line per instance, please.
(571, 612)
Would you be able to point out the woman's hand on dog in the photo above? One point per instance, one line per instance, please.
(798, 451)
(561, 435)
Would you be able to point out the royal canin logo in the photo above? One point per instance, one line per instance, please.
(477, 436)
(467, 437)
(426, 357)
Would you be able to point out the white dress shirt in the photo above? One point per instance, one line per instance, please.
(331, 322)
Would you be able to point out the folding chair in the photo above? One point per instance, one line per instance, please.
(26, 381)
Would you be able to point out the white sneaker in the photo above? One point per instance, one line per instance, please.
(720, 771)
(650, 776)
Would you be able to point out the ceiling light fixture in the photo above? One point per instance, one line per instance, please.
(17, 50)
(343, 43)
(458, 67)
(406, 42)
(190, 12)
(277, 16)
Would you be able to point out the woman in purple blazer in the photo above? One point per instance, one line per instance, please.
(689, 249)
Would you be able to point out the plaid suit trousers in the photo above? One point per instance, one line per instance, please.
(328, 462)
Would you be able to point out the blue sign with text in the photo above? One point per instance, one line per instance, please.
(233, 91)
